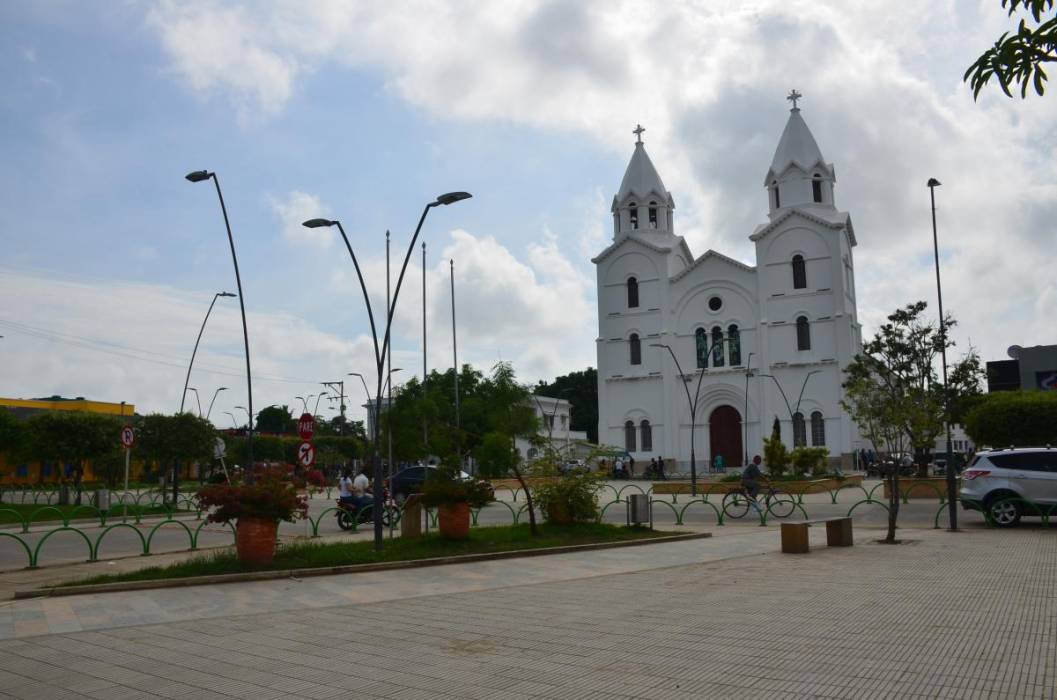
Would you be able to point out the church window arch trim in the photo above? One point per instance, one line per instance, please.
(799, 430)
(646, 435)
(718, 346)
(701, 347)
(632, 286)
(818, 429)
(803, 332)
(816, 188)
(629, 436)
(799, 265)
(634, 349)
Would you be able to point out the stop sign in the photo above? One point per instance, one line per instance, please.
(306, 426)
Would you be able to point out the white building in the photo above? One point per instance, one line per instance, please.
(554, 418)
(792, 316)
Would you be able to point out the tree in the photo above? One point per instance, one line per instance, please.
(1019, 58)
(892, 391)
(495, 455)
(276, 420)
(1021, 418)
(71, 436)
(13, 435)
(174, 440)
(580, 389)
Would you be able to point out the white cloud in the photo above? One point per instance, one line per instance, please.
(883, 95)
(297, 208)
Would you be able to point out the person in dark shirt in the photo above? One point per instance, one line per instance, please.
(750, 477)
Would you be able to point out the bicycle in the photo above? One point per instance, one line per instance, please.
(778, 503)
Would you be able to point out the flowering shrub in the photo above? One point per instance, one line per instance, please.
(272, 496)
(315, 478)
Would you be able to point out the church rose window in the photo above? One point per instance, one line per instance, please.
(803, 334)
(647, 436)
(629, 436)
(633, 293)
(717, 346)
(799, 272)
(734, 343)
(715, 303)
(816, 188)
(636, 349)
(799, 430)
(701, 338)
(818, 429)
(633, 212)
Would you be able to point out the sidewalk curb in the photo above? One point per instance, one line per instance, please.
(334, 570)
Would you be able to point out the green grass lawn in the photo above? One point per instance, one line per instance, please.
(328, 554)
(27, 509)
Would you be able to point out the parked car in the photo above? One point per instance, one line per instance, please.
(1008, 484)
(408, 481)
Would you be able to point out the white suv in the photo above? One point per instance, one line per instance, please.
(1006, 484)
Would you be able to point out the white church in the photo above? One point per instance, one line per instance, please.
(762, 341)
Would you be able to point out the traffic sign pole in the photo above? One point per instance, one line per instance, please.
(128, 438)
(128, 452)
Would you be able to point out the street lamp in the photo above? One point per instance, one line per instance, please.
(316, 409)
(199, 401)
(187, 380)
(219, 389)
(200, 176)
(952, 511)
(745, 416)
(234, 423)
(380, 351)
(786, 399)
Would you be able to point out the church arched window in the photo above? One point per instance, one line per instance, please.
(629, 436)
(653, 214)
(701, 339)
(818, 429)
(799, 272)
(633, 293)
(717, 346)
(799, 430)
(816, 188)
(734, 343)
(647, 436)
(635, 348)
(633, 212)
(803, 333)
(777, 198)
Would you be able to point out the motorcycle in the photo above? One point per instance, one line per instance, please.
(349, 516)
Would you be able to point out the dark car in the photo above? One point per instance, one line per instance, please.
(408, 481)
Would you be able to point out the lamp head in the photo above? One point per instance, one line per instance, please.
(198, 175)
(226, 294)
(223, 388)
(933, 182)
(452, 197)
(318, 223)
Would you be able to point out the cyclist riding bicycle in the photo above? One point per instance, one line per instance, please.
(750, 477)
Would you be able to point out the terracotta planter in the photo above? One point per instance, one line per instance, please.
(255, 540)
(454, 520)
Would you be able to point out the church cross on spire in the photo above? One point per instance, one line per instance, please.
(793, 97)
(638, 133)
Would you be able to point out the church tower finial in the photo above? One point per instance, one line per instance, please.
(638, 133)
(793, 97)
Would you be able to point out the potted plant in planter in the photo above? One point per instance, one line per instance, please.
(453, 497)
(570, 499)
(256, 509)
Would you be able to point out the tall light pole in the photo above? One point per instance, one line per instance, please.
(234, 422)
(304, 402)
(199, 176)
(745, 416)
(425, 423)
(213, 400)
(952, 488)
(194, 352)
(197, 400)
(389, 412)
(788, 407)
(381, 350)
(315, 411)
(455, 364)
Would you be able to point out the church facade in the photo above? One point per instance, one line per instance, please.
(747, 344)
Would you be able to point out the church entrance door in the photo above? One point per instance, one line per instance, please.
(724, 436)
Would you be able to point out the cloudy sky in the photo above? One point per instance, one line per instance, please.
(366, 111)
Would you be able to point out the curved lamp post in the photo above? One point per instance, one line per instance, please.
(194, 352)
(315, 411)
(952, 487)
(234, 422)
(381, 351)
(200, 176)
(219, 389)
(798, 398)
(197, 400)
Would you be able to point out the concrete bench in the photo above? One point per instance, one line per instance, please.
(794, 534)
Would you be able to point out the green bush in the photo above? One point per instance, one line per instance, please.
(809, 459)
(445, 488)
(1022, 418)
(570, 499)
(775, 456)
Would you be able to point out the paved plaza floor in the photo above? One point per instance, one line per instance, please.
(963, 615)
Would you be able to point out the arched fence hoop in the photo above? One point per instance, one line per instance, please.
(142, 540)
(705, 501)
(29, 553)
(190, 535)
(866, 500)
(64, 528)
(21, 519)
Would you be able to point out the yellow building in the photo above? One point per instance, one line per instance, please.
(35, 472)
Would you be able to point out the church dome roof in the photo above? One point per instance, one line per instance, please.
(641, 178)
(796, 147)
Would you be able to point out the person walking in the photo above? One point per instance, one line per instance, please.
(718, 464)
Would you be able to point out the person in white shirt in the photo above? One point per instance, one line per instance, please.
(346, 488)
(361, 490)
